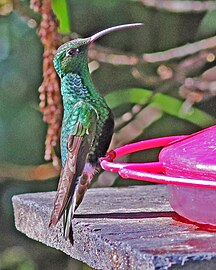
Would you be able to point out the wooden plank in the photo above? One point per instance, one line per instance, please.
(120, 228)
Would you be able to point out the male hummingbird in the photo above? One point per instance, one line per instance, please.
(87, 127)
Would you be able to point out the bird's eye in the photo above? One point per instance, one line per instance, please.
(72, 52)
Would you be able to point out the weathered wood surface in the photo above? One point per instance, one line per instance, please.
(120, 228)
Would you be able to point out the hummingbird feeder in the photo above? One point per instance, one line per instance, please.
(186, 163)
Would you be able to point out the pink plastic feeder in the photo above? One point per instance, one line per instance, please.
(186, 163)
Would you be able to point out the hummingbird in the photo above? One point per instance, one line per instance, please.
(87, 127)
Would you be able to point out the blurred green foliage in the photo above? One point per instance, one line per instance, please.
(20, 68)
(166, 103)
(16, 258)
(22, 131)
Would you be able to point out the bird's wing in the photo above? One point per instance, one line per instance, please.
(84, 117)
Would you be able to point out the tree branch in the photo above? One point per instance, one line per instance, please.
(109, 56)
(28, 173)
(180, 52)
(180, 6)
(105, 55)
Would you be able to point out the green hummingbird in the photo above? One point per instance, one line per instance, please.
(87, 127)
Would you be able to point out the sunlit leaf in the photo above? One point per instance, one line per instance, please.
(166, 103)
(207, 25)
(61, 11)
(133, 96)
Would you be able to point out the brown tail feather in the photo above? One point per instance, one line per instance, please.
(82, 185)
(66, 178)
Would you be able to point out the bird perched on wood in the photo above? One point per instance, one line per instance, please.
(87, 127)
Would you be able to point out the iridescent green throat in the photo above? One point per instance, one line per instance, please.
(79, 86)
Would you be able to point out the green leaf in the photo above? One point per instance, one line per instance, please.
(133, 96)
(164, 102)
(207, 26)
(61, 11)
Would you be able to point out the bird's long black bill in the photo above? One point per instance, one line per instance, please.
(112, 29)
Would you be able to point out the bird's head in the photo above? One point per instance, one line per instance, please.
(72, 55)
